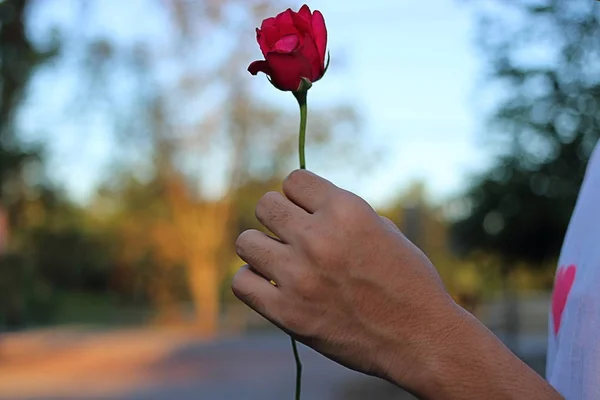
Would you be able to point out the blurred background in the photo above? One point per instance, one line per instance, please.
(134, 145)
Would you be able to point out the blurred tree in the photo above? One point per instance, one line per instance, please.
(53, 253)
(193, 143)
(542, 59)
(200, 136)
(19, 59)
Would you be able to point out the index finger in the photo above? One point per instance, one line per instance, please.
(307, 190)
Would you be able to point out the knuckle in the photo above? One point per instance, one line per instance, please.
(297, 177)
(302, 180)
(320, 249)
(242, 242)
(305, 285)
(271, 196)
(237, 282)
(349, 207)
(250, 249)
(253, 301)
(308, 230)
(271, 207)
(263, 258)
(240, 289)
(266, 202)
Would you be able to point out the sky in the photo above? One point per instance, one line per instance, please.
(409, 67)
(414, 68)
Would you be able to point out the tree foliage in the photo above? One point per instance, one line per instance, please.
(544, 72)
(194, 143)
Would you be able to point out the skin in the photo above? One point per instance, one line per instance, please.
(352, 287)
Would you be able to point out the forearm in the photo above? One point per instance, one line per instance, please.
(464, 360)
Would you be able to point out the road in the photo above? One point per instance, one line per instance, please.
(152, 364)
(140, 365)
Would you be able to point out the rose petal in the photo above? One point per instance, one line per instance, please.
(302, 23)
(284, 18)
(287, 69)
(286, 44)
(268, 23)
(305, 12)
(269, 34)
(311, 53)
(262, 42)
(285, 23)
(259, 66)
(320, 34)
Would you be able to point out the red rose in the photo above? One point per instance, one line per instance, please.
(294, 45)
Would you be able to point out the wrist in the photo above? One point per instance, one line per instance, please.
(415, 363)
(461, 359)
(434, 359)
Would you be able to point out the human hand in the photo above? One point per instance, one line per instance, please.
(349, 284)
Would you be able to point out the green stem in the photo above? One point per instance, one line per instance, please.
(298, 369)
(301, 97)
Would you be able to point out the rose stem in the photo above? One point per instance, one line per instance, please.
(298, 369)
(301, 97)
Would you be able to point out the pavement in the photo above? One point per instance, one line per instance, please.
(158, 364)
(154, 365)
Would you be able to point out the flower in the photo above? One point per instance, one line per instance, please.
(294, 46)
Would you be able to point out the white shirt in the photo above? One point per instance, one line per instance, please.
(573, 363)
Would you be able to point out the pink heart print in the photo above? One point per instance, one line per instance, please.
(565, 276)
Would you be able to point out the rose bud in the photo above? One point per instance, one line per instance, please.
(294, 46)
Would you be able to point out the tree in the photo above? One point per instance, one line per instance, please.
(19, 60)
(176, 135)
(542, 59)
(169, 131)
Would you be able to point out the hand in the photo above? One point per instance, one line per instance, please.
(349, 284)
(352, 287)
